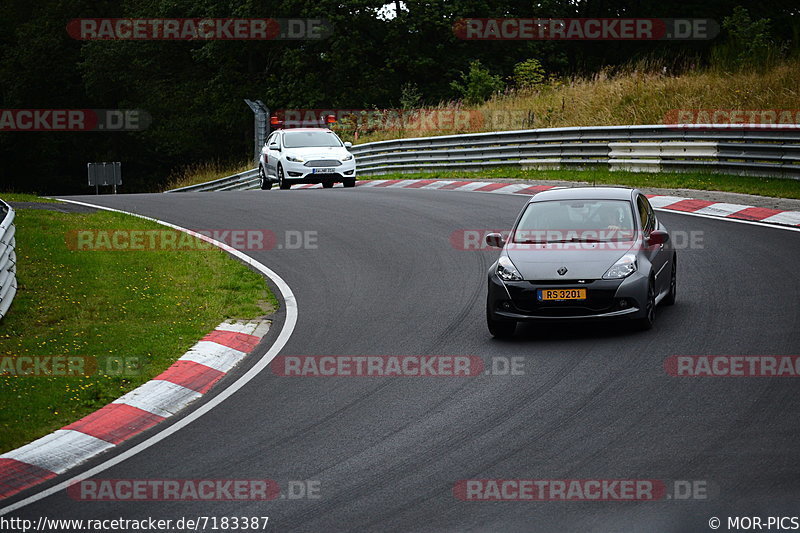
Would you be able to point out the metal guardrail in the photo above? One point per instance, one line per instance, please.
(733, 149)
(745, 149)
(8, 258)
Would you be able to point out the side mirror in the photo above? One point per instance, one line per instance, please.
(495, 240)
(348, 145)
(657, 237)
(275, 147)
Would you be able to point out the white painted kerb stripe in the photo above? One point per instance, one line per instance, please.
(257, 329)
(162, 398)
(59, 451)
(214, 355)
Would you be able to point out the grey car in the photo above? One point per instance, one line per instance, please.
(584, 253)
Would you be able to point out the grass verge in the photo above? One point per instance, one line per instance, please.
(24, 197)
(773, 187)
(143, 308)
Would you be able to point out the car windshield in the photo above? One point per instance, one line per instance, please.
(575, 221)
(303, 139)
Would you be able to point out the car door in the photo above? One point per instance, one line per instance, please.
(273, 154)
(657, 255)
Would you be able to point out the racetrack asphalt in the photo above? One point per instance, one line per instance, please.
(594, 402)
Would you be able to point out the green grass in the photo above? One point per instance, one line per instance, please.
(773, 187)
(24, 197)
(118, 305)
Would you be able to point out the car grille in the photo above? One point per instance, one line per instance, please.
(323, 163)
(600, 298)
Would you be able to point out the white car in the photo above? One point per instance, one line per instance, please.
(306, 155)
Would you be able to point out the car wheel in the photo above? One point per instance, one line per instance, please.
(265, 183)
(282, 179)
(673, 283)
(650, 308)
(500, 329)
(327, 184)
(349, 183)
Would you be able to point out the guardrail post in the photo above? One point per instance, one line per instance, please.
(261, 125)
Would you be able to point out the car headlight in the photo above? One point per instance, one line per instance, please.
(506, 269)
(347, 158)
(294, 159)
(624, 267)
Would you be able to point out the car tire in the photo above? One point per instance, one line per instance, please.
(500, 329)
(669, 299)
(645, 323)
(264, 183)
(327, 184)
(282, 179)
(349, 183)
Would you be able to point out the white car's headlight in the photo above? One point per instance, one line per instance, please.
(624, 267)
(295, 159)
(506, 269)
(347, 158)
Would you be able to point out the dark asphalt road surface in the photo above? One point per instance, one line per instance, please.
(594, 400)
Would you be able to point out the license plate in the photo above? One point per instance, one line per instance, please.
(323, 170)
(560, 295)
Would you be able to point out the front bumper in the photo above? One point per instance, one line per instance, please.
(300, 173)
(606, 299)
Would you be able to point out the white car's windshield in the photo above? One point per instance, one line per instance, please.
(303, 139)
(558, 221)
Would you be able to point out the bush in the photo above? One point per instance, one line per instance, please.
(749, 43)
(478, 85)
(529, 73)
(410, 97)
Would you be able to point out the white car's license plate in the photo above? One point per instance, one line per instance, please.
(329, 170)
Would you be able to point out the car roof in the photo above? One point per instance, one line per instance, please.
(584, 193)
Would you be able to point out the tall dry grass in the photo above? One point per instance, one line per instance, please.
(202, 172)
(641, 94)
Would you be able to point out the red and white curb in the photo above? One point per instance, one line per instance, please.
(186, 380)
(667, 203)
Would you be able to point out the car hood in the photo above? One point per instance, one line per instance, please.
(337, 152)
(582, 260)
